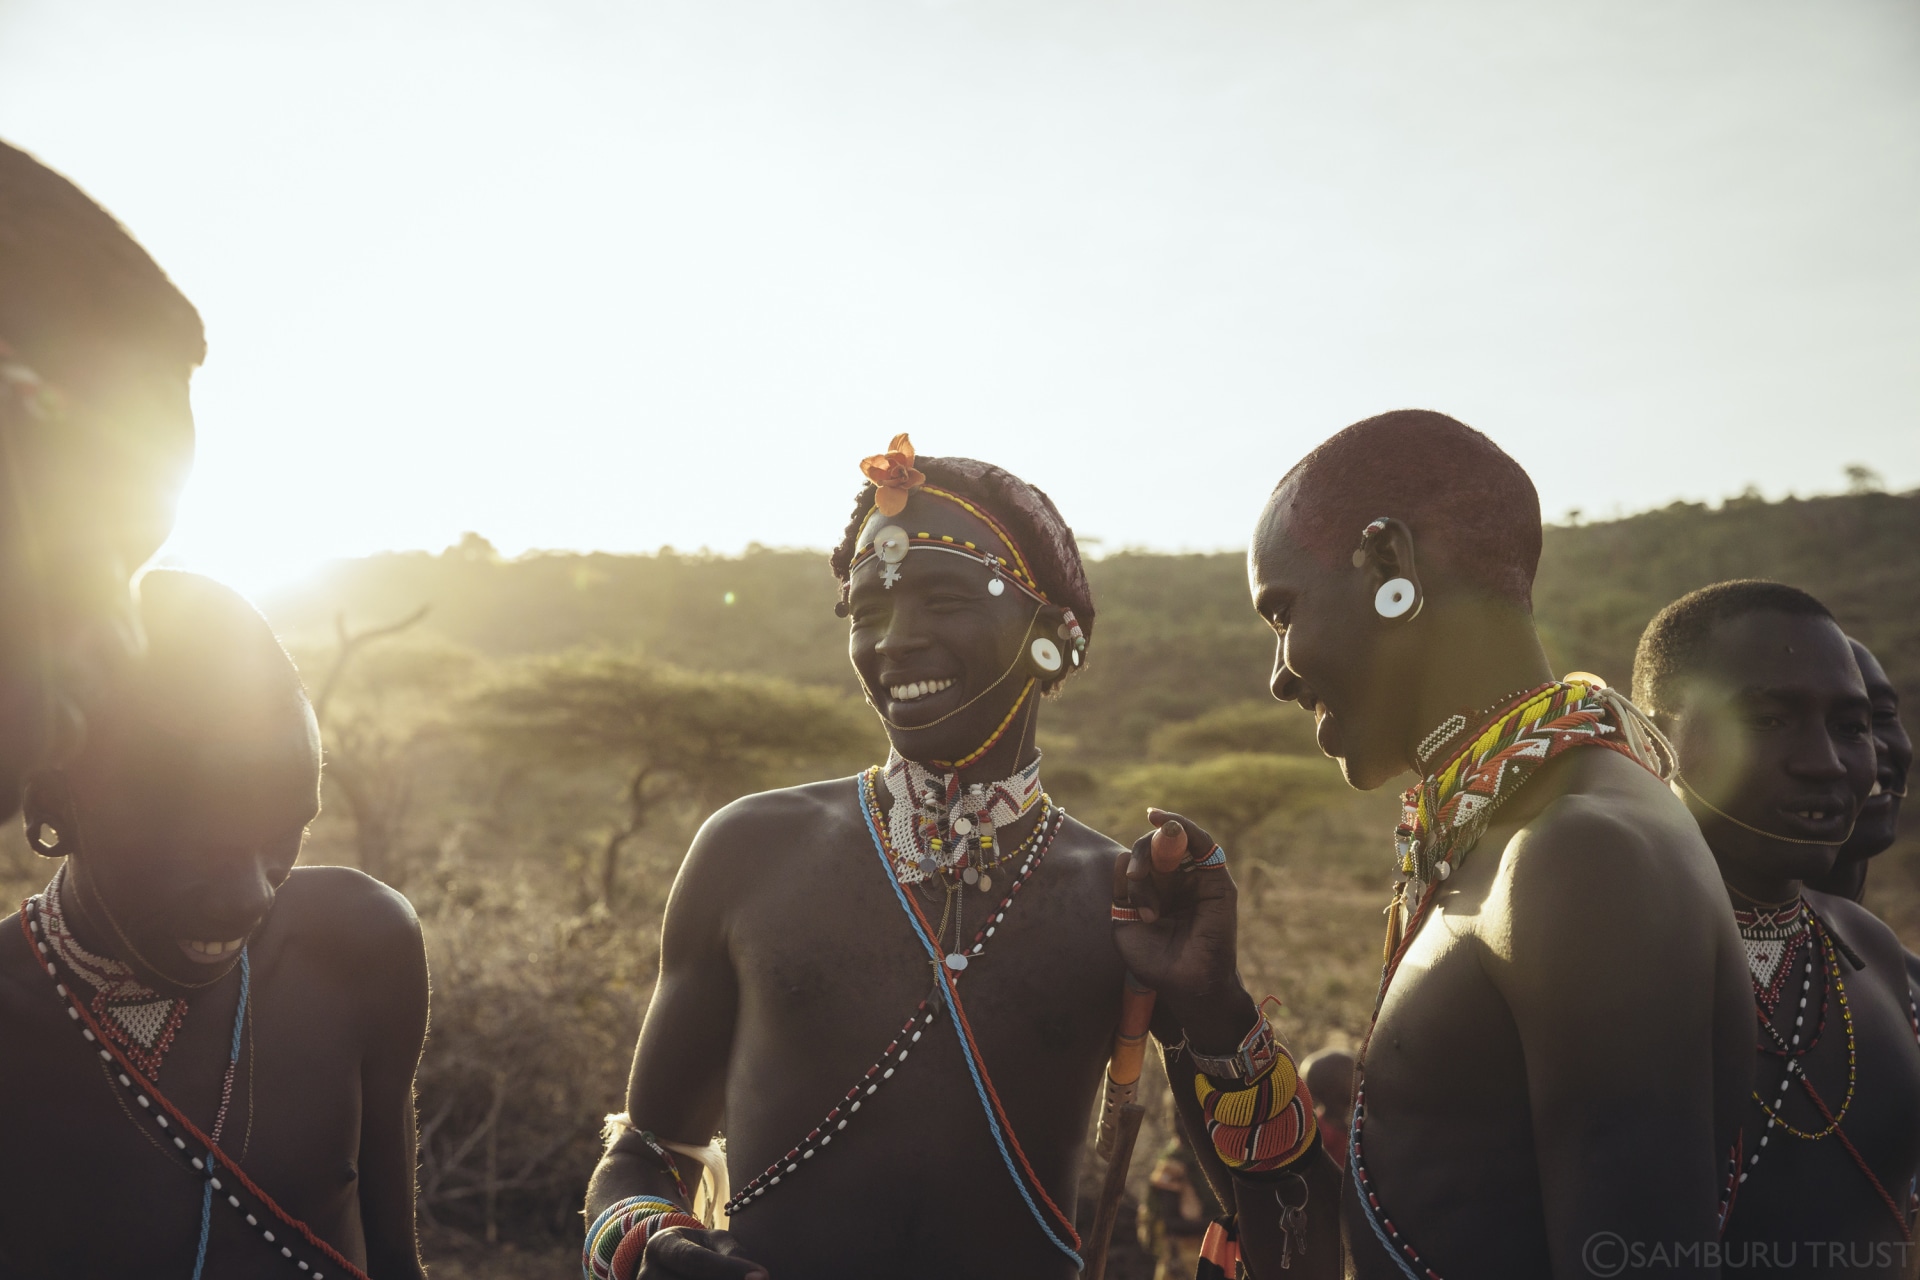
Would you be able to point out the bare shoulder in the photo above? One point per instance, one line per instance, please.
(1865, 932)
(346, 914)
(1611, 833)
(1089, 855)
(741, 836)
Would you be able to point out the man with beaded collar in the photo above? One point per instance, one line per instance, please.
(209, 1053)
(1774, 729)
(945, 888)
(1559, 1051)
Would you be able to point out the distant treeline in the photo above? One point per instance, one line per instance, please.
(1175, 636)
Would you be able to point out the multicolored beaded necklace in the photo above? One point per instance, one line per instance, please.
(942, 828)
(924, 1014)
(172, 1122)
(1445, 816)
(1773, 935)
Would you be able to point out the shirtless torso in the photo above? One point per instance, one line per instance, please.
(788, 967)
(1524, 1008)
(1806, 1205)
(321, 1118)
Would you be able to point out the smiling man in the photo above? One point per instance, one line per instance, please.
(1879, 823)
(209, 1055)
(1559, 1053)
(897, 990)
(1774, 726)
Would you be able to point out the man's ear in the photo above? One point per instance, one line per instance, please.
(1049, 647)
(1385, 556)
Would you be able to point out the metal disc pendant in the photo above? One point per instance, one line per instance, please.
(970, 876)
(986, 883)
(1443, 870)
(928, 866)
(956, 962)
(963, 826)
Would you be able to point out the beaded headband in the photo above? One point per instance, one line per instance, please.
(891, 542)
(895, 479)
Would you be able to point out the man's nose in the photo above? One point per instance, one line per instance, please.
(242, 897)
(1818, 755)
(903, 635)
(1285, 684)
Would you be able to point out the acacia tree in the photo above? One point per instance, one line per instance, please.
(677, 736)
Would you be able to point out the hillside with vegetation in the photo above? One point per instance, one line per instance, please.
(524, 746)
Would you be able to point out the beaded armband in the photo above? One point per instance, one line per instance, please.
(1264, 1125)
(1257, 1053)
(619, 1235)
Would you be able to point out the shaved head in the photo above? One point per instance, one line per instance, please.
(1472, 510)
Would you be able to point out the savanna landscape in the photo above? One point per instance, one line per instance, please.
(524, 747)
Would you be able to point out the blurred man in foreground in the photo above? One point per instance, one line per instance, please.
(96, 350)
(209, 1054)
(898, 990)
(1765, 704)
(1560, 1046)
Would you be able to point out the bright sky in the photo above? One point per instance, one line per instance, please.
(613, 274)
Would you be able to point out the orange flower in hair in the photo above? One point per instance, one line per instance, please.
(893, 474)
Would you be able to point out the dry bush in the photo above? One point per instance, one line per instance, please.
(535, 1014)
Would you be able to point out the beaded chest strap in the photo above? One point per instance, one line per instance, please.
(280, 1229)
(924, 1014)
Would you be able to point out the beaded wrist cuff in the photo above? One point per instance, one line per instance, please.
(1213, 860)
(1257, 1053)
(612, 1226)
(632, 1249)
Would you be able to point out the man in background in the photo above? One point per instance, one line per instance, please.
(96, 436)
(1879, 823)
(1773, 728)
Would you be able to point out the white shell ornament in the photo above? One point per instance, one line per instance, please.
(1046, 655)
(890, 544)
(996, 587)
(1394, 598)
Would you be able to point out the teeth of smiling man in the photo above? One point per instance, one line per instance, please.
(214, 948)
(918, 689)
(1817, 815)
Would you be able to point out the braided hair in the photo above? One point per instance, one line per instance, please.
(1028, 514)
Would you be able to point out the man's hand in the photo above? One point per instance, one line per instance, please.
(1184, 944)
(685, 1254)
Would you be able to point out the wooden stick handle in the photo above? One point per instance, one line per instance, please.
(1129, 1052)
(1126, 1130)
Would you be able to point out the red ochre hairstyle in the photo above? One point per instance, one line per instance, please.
(1471, 508)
